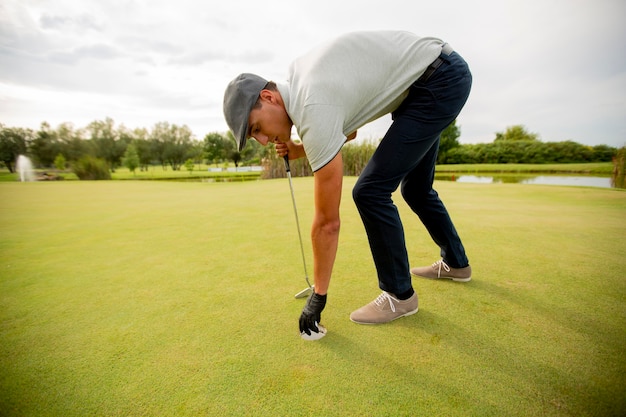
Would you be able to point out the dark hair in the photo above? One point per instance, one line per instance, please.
(271, 85)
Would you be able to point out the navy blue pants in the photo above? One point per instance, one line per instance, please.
(406, 156)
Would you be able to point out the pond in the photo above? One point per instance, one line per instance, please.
(575, 180)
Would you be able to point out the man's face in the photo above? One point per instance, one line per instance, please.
(270, 122)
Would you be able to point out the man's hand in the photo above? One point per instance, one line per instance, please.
(312, 313)
(295, 150)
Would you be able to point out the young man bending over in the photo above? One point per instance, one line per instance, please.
(330, 93)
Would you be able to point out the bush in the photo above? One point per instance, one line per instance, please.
(356, 156)
(59, 162)
(274, 167)
(528, 152)
(90, 168)
(619, 168)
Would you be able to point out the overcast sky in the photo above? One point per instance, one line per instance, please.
(557, 67)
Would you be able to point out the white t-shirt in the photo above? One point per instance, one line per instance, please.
(348, 82)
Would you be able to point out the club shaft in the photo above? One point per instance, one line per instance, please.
(295, 211)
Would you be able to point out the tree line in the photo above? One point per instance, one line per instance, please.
(168, 145)
(174, 146)
(517, 145)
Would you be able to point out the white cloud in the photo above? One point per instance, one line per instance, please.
(556, 67)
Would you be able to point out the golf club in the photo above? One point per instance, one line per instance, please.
(305, 292)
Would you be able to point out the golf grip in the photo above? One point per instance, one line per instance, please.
(286, 159)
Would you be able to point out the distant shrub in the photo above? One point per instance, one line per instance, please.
(60, 162)
(90, 168)
(528, 152)
(274, 167)
(619, 168)
(356, 156)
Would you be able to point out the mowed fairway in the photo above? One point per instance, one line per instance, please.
(176, 299)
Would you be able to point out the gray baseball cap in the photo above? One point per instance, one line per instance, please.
(241, 95)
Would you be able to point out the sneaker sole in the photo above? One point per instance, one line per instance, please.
(453, 279)
(410, 313)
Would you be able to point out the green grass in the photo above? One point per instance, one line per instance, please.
(176, 299)
(201, 172)
(601, 168)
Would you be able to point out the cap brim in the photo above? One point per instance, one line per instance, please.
(243, 139)
(240, 97)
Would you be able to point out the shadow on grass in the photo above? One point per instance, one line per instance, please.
(411, 387)
(495, 346)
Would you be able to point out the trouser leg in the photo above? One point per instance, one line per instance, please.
(407, 155)
(417, 191)
(372, 195)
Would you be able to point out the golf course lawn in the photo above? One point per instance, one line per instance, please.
(141, 298)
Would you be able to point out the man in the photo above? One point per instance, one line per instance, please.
(330, 93)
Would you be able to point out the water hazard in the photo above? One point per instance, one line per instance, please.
(570, 180)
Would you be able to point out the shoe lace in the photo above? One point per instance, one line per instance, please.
(441, 264)
(385, 297)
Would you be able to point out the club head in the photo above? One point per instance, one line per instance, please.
(305, 292)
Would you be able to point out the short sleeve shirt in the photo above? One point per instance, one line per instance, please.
(346, 83)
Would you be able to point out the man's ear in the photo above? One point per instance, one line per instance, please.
(267, 95)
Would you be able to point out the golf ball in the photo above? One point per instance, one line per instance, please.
(313, 335)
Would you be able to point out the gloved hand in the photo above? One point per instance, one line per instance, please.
(312, 313)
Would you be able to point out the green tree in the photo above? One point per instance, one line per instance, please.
(569, 151)
(214, 148)
(90, 168)
(189, 165)
(619, 168)
(178, 146)
(171, 143)
(59, 162)
(253, 152)
(603, 153)
(104, 138)
(231, 150)
(196, 152)
(13, 142)
(449, 140)
(131, 158)
(73, 145)
(45, 145)
(143, 146)
(517, 132)
(157, 144)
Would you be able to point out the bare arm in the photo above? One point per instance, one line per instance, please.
(325, 228)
